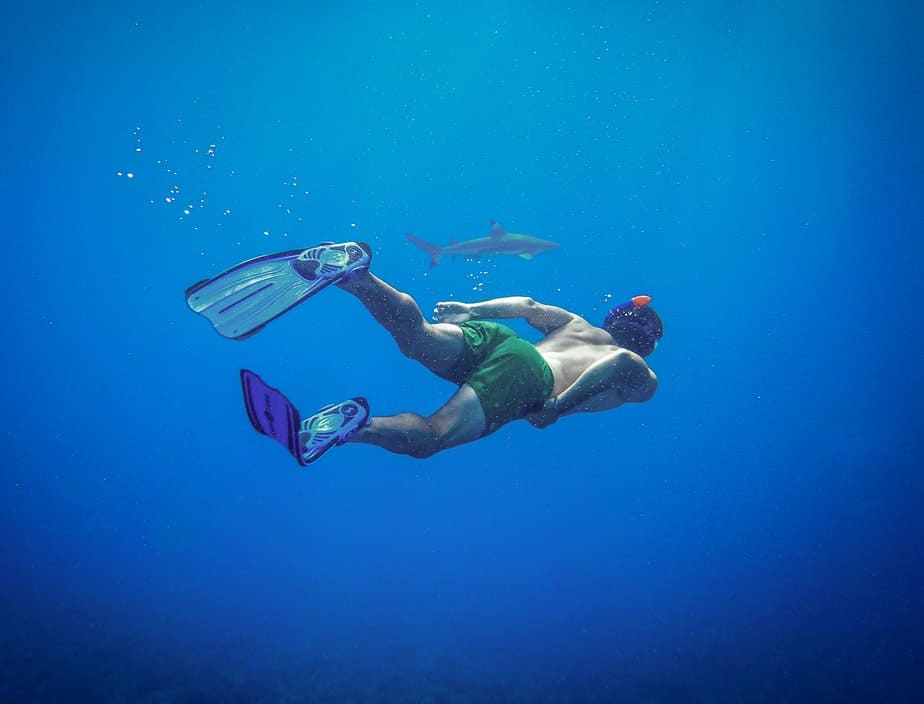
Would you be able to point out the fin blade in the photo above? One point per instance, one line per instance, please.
(239, 302)
(271, 413)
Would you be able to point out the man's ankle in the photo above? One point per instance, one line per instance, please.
(354, 280)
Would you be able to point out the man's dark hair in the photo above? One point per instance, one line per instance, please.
(635, 328)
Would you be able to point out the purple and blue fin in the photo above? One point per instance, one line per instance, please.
(271, 413)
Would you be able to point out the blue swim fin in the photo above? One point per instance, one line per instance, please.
(242, 300)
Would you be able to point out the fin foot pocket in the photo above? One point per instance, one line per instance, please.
(331, 426)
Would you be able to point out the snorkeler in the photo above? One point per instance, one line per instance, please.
(575, 368)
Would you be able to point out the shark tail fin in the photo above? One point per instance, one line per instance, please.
(434, 250)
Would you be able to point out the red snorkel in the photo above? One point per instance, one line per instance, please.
(623, 308)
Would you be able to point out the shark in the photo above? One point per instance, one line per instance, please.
(498, 241)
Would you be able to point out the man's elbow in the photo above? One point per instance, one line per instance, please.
(651, 387)
(631, 373)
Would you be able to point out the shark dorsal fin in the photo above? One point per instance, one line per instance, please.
(497, 230)
(452, 241)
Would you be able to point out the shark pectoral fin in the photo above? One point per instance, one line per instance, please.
(497, 230)
(526, 255)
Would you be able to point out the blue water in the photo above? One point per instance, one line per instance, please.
(751, 534)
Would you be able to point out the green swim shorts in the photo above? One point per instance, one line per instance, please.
(508, 374)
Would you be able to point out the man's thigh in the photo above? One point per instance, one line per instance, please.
(438, 347)
(460, 420)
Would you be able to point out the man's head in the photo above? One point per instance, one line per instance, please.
(635, 325)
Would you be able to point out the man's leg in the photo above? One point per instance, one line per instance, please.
(435, 345)
(461, 420)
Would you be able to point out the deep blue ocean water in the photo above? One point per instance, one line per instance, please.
(752, 534)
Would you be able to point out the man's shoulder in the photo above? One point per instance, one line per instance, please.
(586, 332)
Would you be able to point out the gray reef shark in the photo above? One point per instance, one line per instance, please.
(499, 241)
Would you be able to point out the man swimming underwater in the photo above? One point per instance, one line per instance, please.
(575, 368)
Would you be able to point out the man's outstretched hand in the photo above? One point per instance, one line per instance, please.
(452, 312)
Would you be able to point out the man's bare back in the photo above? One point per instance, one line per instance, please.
(576, 346)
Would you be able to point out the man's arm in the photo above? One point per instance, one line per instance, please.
(540, 316)
(618, 378)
